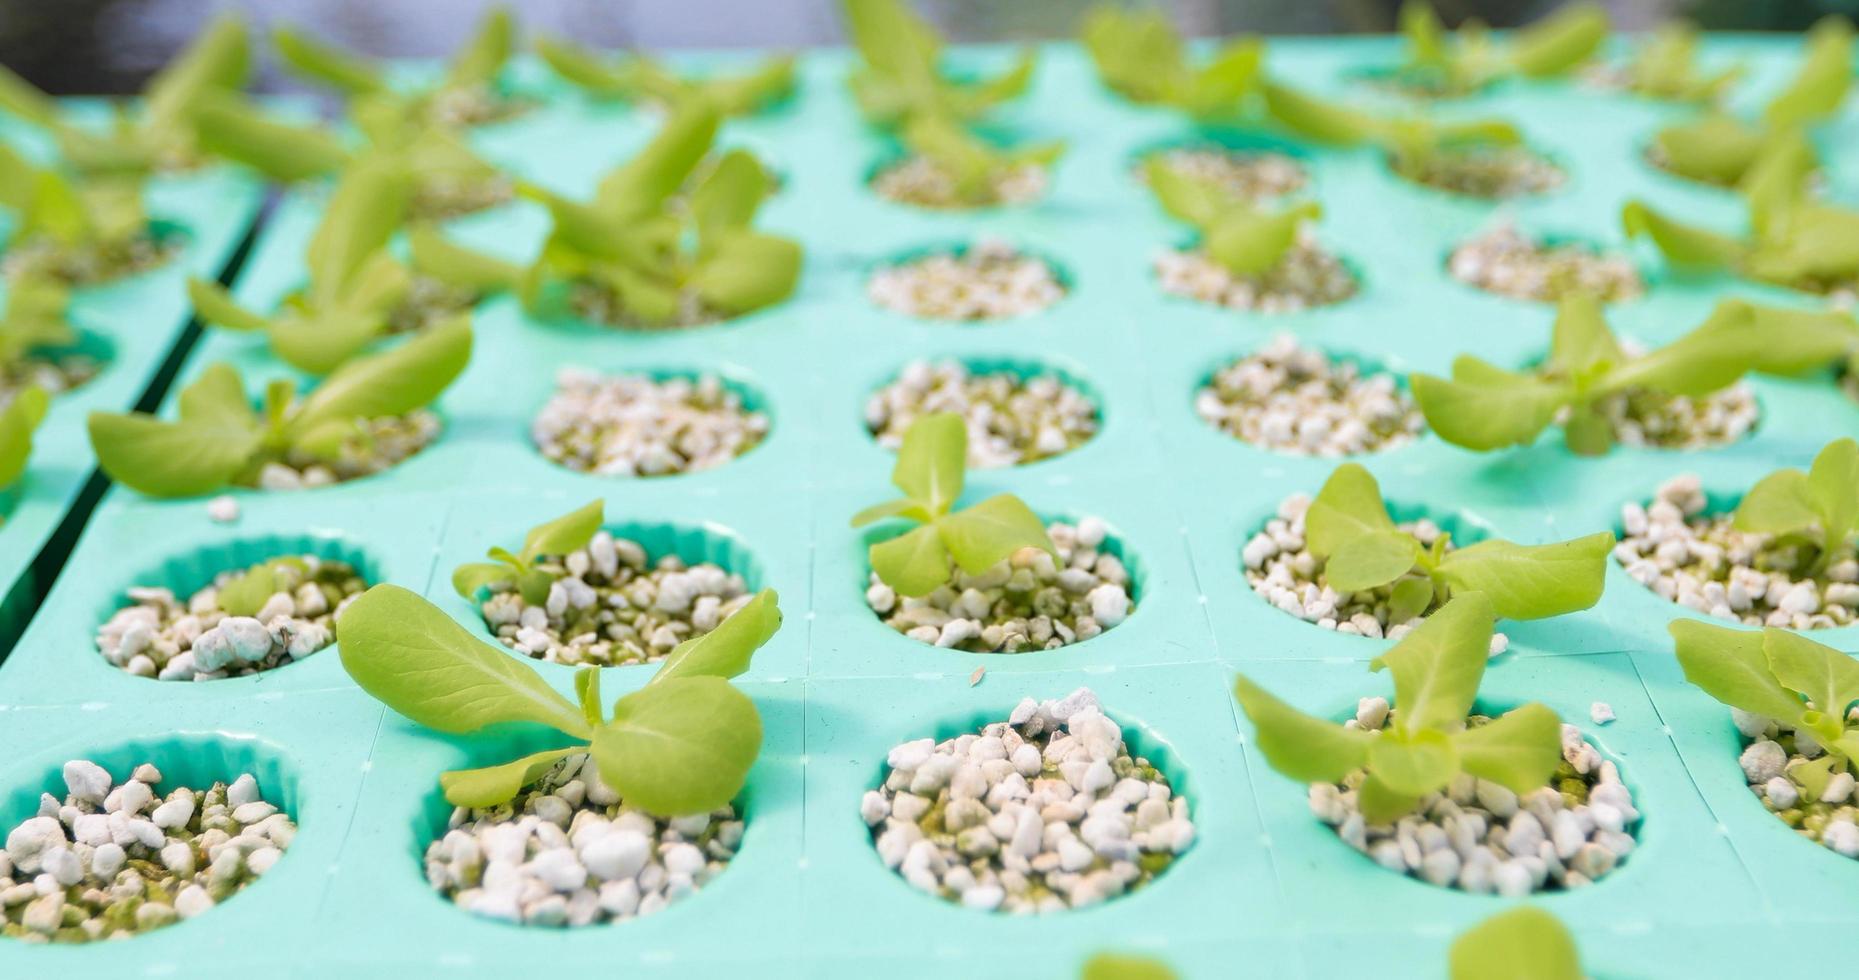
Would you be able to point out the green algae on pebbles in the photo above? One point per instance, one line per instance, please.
(1505, 262)
(1496, 172)
(1028, 602)
(921, 182)
(986, 281)
(1481, 837)
(1772, 751)
(1254, 175)
(1294, 400)
(610, 604)
(568, 851)
(1045, 811)
(1306, 277)
(161, 637)
(635, 425)
(1012, 419)
(112, 859)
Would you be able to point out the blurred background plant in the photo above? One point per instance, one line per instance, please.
(111, 46)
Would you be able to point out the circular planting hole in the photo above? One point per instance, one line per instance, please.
(1047, 810)
(635, 592)
(920, 182)
(1031, 601)
(1491, 172)
(1772, 758)
(1505, 262)
(567, 851)
(1017, 412)
(1307, 276)
(990, 280)
(1302, 402)
(57, 367)
(1257, 173)
(141, 837)
(659, 424)
(94, 263)
(1282, 571)
(234, 609)
(1684, 546)
(1479, 836)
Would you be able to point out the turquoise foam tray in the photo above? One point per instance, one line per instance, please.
(1265, 889)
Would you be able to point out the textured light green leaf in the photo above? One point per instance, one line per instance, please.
(729, 194)
(584, 68)
(1833, 486)
(326, 63)
(1298, 745)
(1812, 775)
(1718, 148)
(447, 261)
(1381, 804)
(213, 304)
(482, 57)
(1220, 85)
(901, 507)
(1348, 506)
(914, 563)
(1580, 341)
(1136, 50)
(170, 459)
(566, 533)
(645, 182)
(892, 39)
(1522, 943)
(418, 661)
(319, 341)
(1820, 84)
(1197, 201)
(367, 207)
(1779, 503)
(725, 651)
(1828, 678)
(679, 747)
(1370, 559)
(1485, 407)
(496, 785)
(468, 578)
(233, 128)
(1795, 341)
(982, 536)
(587, 694)
(219, 58)
(1730, 665)
(1249, 242)
(1696, 364)
(18, 420)
(1518, 751)
(1686, 246)
(1316, 119)
(745, 270)
(1532, 581)
(1410, 598)
(932, 460)
(1414, 765)
(1559, 43)
(393, 382)
(1437, 667)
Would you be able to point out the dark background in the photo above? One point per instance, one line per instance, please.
(74, 46)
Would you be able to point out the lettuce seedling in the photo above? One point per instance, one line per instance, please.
(638, 77)
(929, 471)
(1784, 677)
(35, 319)
(248, 592)
(1426, 744)
(551, 538)
(681, 744)
(1349, 528)
(466, 94)
(355, 282)
(18, 420)
(1141, 57)
(218, 440)
(1665, 67)
(1819, 507)
(975, 166)
(1523, 943)
(901, 75)
(656, 248)
(1456, 63)
(78, 230)
(1243, 238)
(1411, 142)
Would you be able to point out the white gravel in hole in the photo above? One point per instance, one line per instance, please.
(1012, 419)
(1254, 175)
(569, 852)
(1770, 750)
(1503, 261)
(1642, 418)
(1481, 837)
(987, 281)
(55, 373)
(1488, 172)
(1027, 602)
(379, 445)
(160, 636)
(1045, 811)
(634, 425)
(111, 859)
(85, 266)
(1307, 276)
(1296, 400)
(1697, 559)
(920, 182)
(1281, 569)
(613, 604)
(429, 301)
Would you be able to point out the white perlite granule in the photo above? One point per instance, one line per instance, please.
(1024, 817)
(160, 637)
(1027, 602)
(567, 851)
(1253, 175)
(987, 281)
(608, 607)
(1770, 752)
(1643, 418)
(1281, 569)
(1306, 277)
(920, 182)
(633, 425)
(1295, 400)
(1702, 562)
(1011, 419)
(377, 446)
(1481, 837)
(1489, 172)
(111, 860)
(1504, 262)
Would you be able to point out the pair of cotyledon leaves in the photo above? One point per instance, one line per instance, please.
(637, 77)
(681, 744)
(974, 165)
(1408, 140)
(1465, 61)
(477, 64)
(901, 76)
(1241, 237)
(1820, 504)
(556, 538)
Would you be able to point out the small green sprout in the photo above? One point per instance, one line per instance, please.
(1412, 143)
(901, 77)
(355, 282)
(552, 538)
(1349, 528)
(681, 744)
(1141, 57)
(79, 231)
(469, 92)
(637, 77)
(1784, 677)
(654, 247)
(248, 592)
(1819, 507)
(1125, 966)
(1460, 63)
(218, 440)
(1233, 232)
(930, 473)
(975, 167)
(1485, 407)
(1665, 67)
(35, 320)
(1436, 672)
(1523, 943)
(18, 420)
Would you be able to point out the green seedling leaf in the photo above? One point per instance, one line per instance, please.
(1380, 803)
(1531, 581)
(233, 128)
(391, 383)
(496, 785)
(1410, 598)
(1718, 149)
(439, 257)
(219, 59)
(678, 747)
(1731, 666)
(1796, 342)
(1820, 85)
(725, 651)
(482, 58)
(18, 420)
(1812, 775)
(1519, 750)
(211, 443)
(1581, 345)
(246, 594)
(991, 531)
(1485, 407)
(1315, 119)
(1437, 667)
(1820, 503)
(325, 63)
(1348, 506)
(23, 99)
(915, 563)
(1560, 42)
(1778, 504)
(1831, 484)
(730, 194)
(1371, 560)
(1520, 944)
(213, 304)
(931, 461)
(564, 534)
(1828, 678)
(648, 180)
(586, 70)
(1123, 966)
(747, 271)
(1686, 246)
(587, 692)
(1665, 67)
(368, 205)
(1137, 52)
(1249, 242)
(1304, 748)
(1413, 765)
(468, 578)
